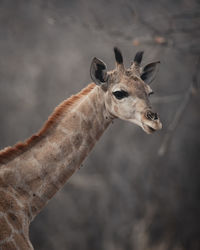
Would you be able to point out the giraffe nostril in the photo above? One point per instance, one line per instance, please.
(155, 116)
(151, 116)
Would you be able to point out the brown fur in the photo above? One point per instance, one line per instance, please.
(10, 153)
(15, 221)
(21, 241)
(8, 246)
(5, 229)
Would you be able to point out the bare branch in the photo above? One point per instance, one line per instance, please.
(178, 115)
(88, 181)
(166, 99)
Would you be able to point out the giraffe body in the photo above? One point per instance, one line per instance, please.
(33, 171)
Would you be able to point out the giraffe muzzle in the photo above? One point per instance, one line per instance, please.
(151, 122)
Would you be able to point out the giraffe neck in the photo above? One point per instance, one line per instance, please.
(43, 169)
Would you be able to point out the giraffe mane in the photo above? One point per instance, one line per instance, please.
(9, 153)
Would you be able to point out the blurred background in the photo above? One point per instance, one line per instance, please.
(135, 191)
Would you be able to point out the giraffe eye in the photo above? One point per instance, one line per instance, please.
(120, 94)
(151, 93)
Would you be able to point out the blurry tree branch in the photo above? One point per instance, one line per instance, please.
(192, 90)
(167, 37)
(89, 182)
(167, 99)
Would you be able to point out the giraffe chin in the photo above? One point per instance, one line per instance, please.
(149, 129)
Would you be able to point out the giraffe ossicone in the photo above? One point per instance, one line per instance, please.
(32, 172)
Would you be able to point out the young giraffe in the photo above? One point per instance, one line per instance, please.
(33, 171)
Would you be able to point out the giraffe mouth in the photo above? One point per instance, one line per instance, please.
(148, 129)
(151, 129)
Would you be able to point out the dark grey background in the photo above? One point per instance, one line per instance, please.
(126, 196)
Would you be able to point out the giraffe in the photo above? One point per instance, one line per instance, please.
(31, 172)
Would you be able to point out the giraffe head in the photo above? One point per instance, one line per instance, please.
(127, 91)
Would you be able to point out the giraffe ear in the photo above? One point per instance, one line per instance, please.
(98, 71)
(148, 72)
